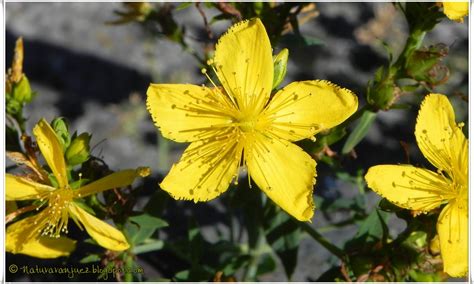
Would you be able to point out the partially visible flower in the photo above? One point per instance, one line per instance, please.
(443, 143)
(242, 124)
(456, 11)
(40, 235)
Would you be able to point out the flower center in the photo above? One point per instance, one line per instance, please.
(247, 125)
(58, 202)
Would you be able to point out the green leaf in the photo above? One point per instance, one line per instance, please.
(284, 235)
(365, 122)
(195, 242)
(148, 247)
(141, 227)
(83, 205)
(267, 264)
(182, 275)
(374, 227)
(235, 263)
(79, 183)
(52, 179)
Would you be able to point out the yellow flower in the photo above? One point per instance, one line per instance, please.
(40, 234)
(443, 143)
(456, 11)
(241, 124)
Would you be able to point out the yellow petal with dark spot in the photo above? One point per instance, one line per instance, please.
(244, 64)
(285, 173)
(205, 170)
(302, 109)
(452, 229)
(409, 187)
(186, 113)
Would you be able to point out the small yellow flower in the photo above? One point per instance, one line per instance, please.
(456, 11)
(240, 123)
(443, 143)
(40, 234)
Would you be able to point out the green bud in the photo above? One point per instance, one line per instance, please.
(424, 65)
(381, 92)
(13, 107)
(280, 62)
(79, 150)
(22, 91)
(61, 128)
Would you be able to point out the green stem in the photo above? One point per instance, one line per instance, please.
(414, 41)
(128, 275)
(255, 252)
(323, 241)
(163, 153)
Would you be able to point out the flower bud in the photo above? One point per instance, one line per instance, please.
(280, 62)
(78, 152)
(61, 128)
(21, 90)
(381, 92)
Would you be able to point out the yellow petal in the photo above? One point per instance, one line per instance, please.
(23, 231)
(285, 173)
(52, 150)
(302, 109)
(48, 247)
(456, 11)
(19, 188)
(434, 130)
(114, 180)
(103, 233)
(23, 237)
(186, 113)
(453, 236)
(459, 156)
(244, 64)
(204, 171)
(409, 187)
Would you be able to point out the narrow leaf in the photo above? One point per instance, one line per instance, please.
(368, 117)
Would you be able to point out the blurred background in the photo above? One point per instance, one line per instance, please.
(96, 74)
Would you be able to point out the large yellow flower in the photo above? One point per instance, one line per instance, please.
(40, 234)
(456, 11)
(240, 123)
(443, 143)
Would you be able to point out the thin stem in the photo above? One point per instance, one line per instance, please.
(323, 241)
(255, 252)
